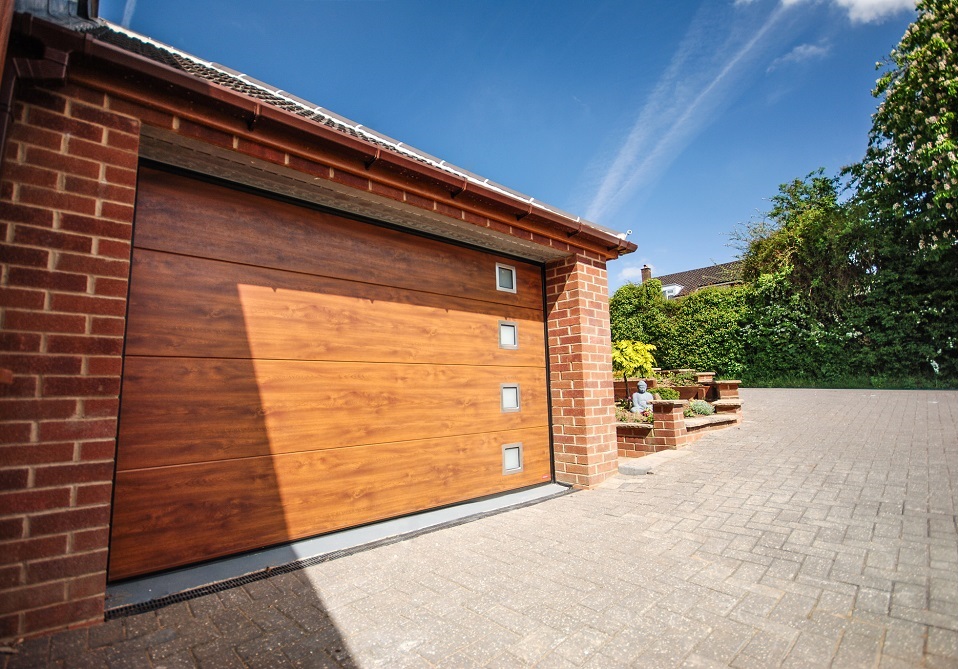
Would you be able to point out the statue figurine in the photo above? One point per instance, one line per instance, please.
(641, 399)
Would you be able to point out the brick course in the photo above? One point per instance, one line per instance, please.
(62, 302)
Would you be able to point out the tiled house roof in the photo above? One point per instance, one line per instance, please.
(715, 275)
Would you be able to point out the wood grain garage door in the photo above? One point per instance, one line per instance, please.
(290, 372)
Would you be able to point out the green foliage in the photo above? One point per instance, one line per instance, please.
(666, 393)
(675, 378)
(701, 408)
(706, 331)
(808, 235)
(632, 358)
(783, 338)
(639, 312)
(907, 191)
(909, 177)
(699, 331)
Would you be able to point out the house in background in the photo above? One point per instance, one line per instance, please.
(680, 284)
(233, 319)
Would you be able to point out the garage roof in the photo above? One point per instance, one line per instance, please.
(140, 45)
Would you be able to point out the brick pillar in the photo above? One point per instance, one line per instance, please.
(669, 424)
(580, 368)
(66, 213)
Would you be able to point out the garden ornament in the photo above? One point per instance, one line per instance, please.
(641, 399)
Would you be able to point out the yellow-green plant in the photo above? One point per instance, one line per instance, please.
(631, 358)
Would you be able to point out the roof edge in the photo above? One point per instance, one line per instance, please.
(89, 47)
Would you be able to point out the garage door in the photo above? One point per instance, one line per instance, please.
(289, 372)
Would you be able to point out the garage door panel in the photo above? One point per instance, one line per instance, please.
(269, 500)
(225, 224)
(194, 410)
(186, 306)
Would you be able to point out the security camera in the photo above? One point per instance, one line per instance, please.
(628, 232)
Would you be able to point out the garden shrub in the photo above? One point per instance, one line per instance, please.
(701, 407)
(666, 393)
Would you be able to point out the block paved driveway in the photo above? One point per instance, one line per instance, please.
(821, 532)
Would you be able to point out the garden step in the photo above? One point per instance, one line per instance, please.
(700, 421)
(727, 406)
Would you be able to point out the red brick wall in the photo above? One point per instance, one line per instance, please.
(66, 212)
(633, 440)
(580, 368)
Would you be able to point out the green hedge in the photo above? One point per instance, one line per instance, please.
(762, 333)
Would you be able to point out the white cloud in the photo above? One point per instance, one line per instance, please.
(631, 273)
(800, 54)
(866, 11)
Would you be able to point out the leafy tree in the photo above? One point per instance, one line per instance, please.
(907, 190)
(909, 176)
(838, 289)
(808, 234)
(632, 358)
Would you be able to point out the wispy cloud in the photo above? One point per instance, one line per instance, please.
(800, 54)
(695, 84)
(865, 11)
(128, 10)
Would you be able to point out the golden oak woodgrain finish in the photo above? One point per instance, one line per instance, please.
(289, 372)
(177, 515)
(181, 215)
(192, 410)
(185, 306)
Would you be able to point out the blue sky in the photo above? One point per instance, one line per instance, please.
(674, 120)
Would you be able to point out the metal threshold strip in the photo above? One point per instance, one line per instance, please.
(149, 593)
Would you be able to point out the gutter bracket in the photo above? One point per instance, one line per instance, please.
(372, 161)
(577, 230)
(257, 115)
(521, 216)
(459, 191)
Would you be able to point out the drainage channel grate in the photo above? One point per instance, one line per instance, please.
(228, 584)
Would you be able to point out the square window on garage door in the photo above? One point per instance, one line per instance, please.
(509, 397)
(511, 458)
(505, 278)
(508, 334)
